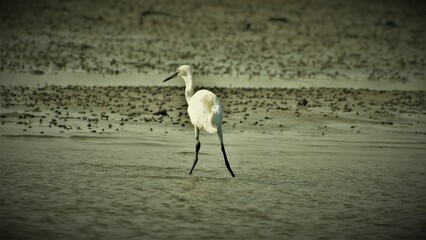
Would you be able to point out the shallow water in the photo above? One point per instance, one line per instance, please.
(136, 185)
(156, 79)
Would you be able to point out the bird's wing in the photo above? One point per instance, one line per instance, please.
(205, 111)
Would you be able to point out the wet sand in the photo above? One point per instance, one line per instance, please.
(113, 162)
(85, 109)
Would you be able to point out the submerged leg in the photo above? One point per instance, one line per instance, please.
(219, 133)
(197, 148)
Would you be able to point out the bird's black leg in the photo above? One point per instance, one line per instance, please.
(226, 160)
(219, 133)
(197, 149)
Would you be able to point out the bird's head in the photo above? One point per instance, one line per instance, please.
(182, 71)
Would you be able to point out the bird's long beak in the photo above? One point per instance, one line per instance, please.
(171, 77)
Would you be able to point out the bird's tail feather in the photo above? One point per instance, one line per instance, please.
(215, 119)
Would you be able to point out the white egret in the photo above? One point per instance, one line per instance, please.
(204, 110)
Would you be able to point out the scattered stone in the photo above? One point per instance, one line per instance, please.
(278, 19)
(161, 112)
(37, 72)
(390, 24)
(302, 103)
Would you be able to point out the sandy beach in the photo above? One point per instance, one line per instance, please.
(324, 122)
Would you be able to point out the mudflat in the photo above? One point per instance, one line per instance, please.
(324, 120)
(113, 162)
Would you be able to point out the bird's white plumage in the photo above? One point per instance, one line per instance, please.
(205, 111)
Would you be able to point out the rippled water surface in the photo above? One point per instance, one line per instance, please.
(135, 186)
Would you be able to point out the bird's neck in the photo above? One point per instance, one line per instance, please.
(189, 90)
